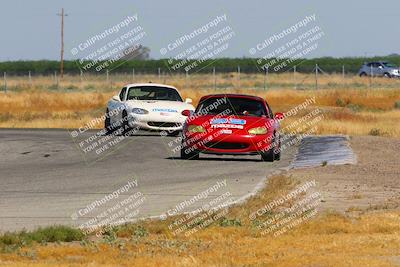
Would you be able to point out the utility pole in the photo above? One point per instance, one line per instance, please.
(265, 77)
(5, 82)
(215, 79)
(343, 72)
(62, 41)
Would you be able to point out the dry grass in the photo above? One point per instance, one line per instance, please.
(329, 240)
(205, 81)
(350, 106)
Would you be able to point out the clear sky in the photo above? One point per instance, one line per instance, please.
(31, 29)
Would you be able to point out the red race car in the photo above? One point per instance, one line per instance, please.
(231, 124)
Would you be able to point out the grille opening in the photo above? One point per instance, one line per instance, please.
(163, 124)
(226, 145)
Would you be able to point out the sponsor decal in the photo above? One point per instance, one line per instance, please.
(165, 110)
(226, 131)
(219, 121)
(230, 126)
(238, 121)
(228, 120)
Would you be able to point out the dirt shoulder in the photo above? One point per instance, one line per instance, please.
(374, 183)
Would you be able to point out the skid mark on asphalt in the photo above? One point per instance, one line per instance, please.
(315, 151)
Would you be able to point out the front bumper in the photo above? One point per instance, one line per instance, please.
(395, 75)
(221, 144)
(157, 123)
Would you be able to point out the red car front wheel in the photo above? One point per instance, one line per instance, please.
(185, 154)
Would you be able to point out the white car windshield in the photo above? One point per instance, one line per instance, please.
(389, 65)
(153, 93)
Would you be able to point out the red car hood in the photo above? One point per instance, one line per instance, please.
(238, 124)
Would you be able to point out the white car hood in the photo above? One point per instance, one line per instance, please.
(159, 105)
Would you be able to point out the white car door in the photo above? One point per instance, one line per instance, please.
(116, 106)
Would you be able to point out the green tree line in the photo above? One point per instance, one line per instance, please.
(221, 65)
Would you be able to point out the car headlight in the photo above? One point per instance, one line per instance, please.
(196, 129)
(258, 130)
(139, 111)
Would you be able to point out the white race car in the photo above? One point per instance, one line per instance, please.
(147, 106)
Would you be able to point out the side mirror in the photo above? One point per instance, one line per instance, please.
(279, 116)
(188, 100)
(186, 113)
(116, 98)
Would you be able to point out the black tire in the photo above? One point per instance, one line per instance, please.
(278, 155)
(125, 126)
(268, 156)
(363, 74)
(107, 123)
(278, 151)
(174, 133)
(190, 156)
(387, 75)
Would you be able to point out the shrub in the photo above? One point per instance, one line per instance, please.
(89, 87)
(230, 222)
(131, 230)
(53, 87)
(6, 116)
(71, 87)
(354, 107)
(340, 102)
(56, 234)
(41, 235)
(140, 231)
(375, 132)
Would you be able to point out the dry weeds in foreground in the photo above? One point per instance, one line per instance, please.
(331, 239)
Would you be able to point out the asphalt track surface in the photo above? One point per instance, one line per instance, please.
(46, 179)
(315, 151)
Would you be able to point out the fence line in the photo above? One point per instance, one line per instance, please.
(298, 82)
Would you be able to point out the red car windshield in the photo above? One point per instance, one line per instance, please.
(231, 106)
